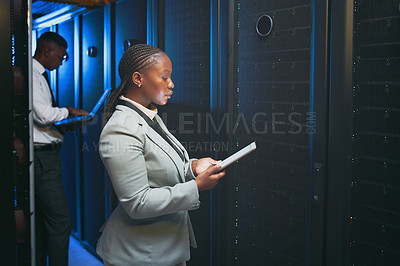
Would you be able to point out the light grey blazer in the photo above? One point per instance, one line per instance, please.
(155, 189)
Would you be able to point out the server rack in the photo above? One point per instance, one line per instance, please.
(16, 133)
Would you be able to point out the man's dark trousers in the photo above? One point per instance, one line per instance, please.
(53, 221)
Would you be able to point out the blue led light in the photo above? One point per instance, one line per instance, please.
(13, 50)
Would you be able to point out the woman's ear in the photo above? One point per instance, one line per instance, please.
(137, 79)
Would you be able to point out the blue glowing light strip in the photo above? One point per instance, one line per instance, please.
(310, 140)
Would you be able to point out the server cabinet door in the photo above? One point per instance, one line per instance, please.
(187, 43)
(363, 228)
(373, 222)
(130, 28)
(269, 191)
(66, 97)
(92, 89)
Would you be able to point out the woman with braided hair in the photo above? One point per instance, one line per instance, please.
(155, 181)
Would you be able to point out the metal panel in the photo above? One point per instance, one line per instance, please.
(6, 137)
(340, 130)
(130, 23)
(77, 104)
(374, 215)
(152, 22)
(217, 137)
(187, 43)
(30, 118)
(20, 66)
(271, 92)
(66, 97)
(108, 82)
(92, 89)
(318, 140)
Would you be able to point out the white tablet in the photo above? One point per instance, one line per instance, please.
(236, 156)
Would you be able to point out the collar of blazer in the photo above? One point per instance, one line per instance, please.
(160, 142)
(176, 141)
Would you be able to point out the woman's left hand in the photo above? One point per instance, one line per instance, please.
(198, 166)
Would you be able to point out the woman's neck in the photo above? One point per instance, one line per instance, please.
(137, 98)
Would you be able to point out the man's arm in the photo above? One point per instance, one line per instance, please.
(75, 111)
(43, 111)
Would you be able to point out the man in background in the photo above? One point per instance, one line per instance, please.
(53, 222)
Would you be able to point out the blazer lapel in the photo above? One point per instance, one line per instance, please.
(161, 123)
(160, 141)
(166, 147)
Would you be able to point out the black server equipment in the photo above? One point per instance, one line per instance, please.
(269, 191)
(186, 26)
(16, 142)
(374, 214)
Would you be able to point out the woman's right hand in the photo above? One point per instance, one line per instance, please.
(210, 177)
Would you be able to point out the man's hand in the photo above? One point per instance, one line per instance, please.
(75, 111)
(199, 166)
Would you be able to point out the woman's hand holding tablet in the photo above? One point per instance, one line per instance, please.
(236, 156)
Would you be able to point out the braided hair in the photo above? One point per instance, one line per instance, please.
(136, 58)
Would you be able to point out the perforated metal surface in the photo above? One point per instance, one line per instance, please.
(375, 187)
(271, 105)
(187, 43)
